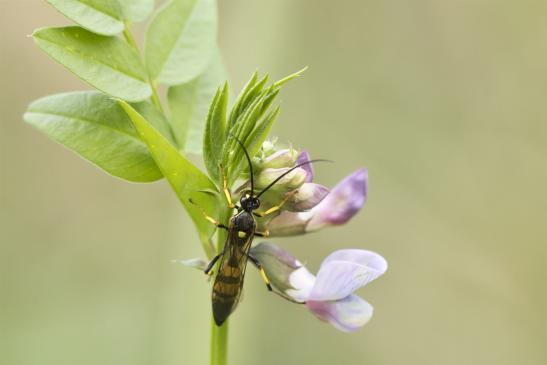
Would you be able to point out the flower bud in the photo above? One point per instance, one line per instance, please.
(306, 197)
(279, 159)
(293, 180)
(268, 147)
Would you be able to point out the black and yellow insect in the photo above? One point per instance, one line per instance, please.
(241, 229)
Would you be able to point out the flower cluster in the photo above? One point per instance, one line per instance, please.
(306, 206)
(297, 205)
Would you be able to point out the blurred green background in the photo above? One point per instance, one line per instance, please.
(443, 101)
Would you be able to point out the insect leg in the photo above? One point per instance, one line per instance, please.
(258, 265)
(275, 208)
(225, 188)
(262, 234)
(211, 264)
(208, 217)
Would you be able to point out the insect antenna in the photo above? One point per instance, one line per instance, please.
(248, 161)
(288, 172)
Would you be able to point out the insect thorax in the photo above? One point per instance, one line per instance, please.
(244, 223)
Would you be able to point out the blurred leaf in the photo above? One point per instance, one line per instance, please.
(185, 178)
(107, 63)
(215, 133)
(180, 41)
(189, 104)
(100, 16)
(95, 127)
(136, 10)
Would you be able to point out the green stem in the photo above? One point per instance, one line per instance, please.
(131, 41)
(219, 335)
(219, 343)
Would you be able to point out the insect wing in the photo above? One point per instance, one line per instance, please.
(228, 283)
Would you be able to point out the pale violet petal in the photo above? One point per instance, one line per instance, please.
(302, 282)
(375, 262)
(305, 157)
(338, 279)
(347, 314)
(342, 203)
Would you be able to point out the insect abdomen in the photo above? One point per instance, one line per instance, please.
(226, 291)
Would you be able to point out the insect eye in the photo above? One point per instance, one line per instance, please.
(256, 203)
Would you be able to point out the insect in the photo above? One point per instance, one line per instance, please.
(241, 229)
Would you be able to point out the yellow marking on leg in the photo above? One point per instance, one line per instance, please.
(279, 206)
(206, 216)
(212, 220)
(241, 234)
(225, 188)
(265, 278)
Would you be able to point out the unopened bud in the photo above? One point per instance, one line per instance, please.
(293, 180)
(280, 159)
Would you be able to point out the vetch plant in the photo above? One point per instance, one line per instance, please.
(251, 187)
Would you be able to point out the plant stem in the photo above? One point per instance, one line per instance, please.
(219, 335)
(131, 41)
(219, 343)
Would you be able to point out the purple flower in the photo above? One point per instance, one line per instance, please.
(329, 295)
(338, 207)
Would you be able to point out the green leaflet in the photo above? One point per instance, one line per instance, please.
(106, 63)
(99, 16)
(95, 127)
(189, 104)
(215, 133)
(105, 17)
(249, 121)
(181, 40)
(186, 179)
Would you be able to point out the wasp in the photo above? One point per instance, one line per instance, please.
(228, 282)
